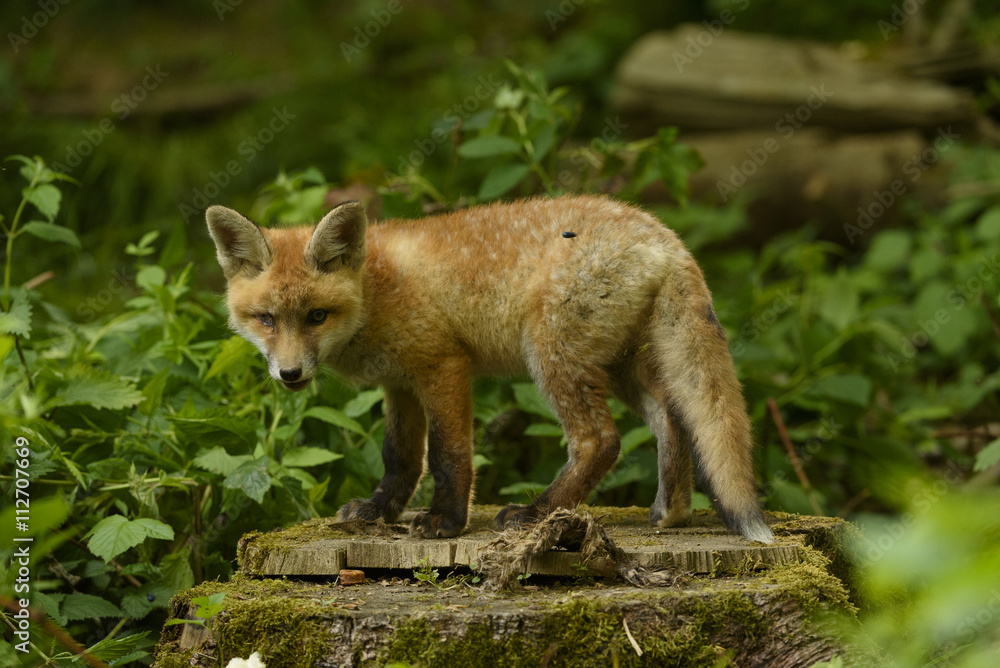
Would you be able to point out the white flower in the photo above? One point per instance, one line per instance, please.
(253, 662)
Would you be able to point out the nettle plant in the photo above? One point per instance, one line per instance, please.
(523, 143)
(155, 443)
(157, 438)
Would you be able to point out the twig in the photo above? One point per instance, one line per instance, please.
(61, 636)
(38, 280)
(991, 313)
(853, 502)
(128, 576)
(635, 645)
(967, 433)
(793, 456)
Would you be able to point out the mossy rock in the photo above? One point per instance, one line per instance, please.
(775, 616)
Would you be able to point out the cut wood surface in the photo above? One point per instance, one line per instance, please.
(757, 611)
(324, 547)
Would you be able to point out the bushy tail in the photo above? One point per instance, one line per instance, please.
(697, 368)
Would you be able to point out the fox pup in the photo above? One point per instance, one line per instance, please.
(590, 296)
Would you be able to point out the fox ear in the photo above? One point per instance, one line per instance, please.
(240, 243)
(339, 239)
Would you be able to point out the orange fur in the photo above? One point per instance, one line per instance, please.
(420, 307)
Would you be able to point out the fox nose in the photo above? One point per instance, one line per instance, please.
(290, 375)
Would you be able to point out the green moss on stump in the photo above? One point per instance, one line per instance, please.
(589, 633)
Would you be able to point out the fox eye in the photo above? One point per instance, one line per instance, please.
(316, 316)
(266, 319)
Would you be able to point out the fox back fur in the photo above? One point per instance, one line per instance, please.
(590, 296)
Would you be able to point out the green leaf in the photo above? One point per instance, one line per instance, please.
(85, 606)
(848, 388)
(100, 390)
(46, 199)
(150, 276)
(252, 478)
(234, 353)
(488, 146)
(207, 607)
(335, 417)
(307, 456)
(216, 423)
(939, 320)
(142, 569)
(988, 225)
(18, 319)
(529, 399)
(840, 305)
(121, 651)
(532, 488)
(176, 569)
(502, 178)
(47, 514)
(889, 250)
(217, 460)
(152, 393)
(544, 141)
(362, 403)
(634, 438)
(988, 456)
(52, 232)
(115, 534)
(136, 603)
(544, 429)
(50, 604)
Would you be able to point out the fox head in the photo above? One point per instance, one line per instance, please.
(295, 293)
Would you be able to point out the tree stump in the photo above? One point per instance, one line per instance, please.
(750, 602)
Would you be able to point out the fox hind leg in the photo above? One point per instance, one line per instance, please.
(635, 388)
(578, 397)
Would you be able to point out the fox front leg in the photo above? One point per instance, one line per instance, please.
(447, 396)
(403, 454)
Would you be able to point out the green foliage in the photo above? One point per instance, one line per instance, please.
(520, 145)
(152, 430)
(160, 434)
(932, 577)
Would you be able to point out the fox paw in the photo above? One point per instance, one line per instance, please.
(515, 516)
(434, 525)
(359, 509)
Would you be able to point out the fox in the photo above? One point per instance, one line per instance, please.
(590, 296)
